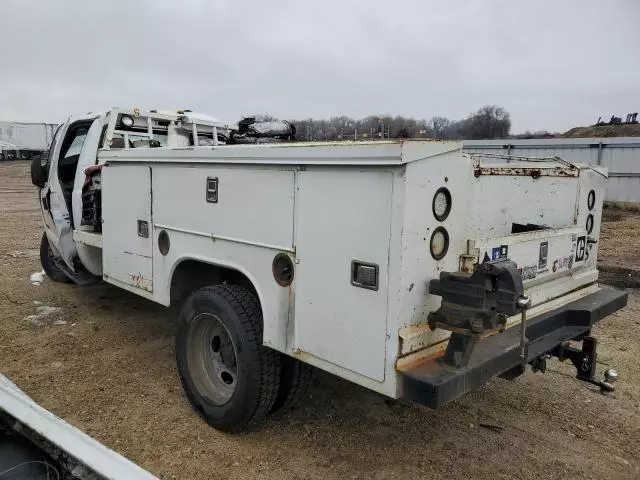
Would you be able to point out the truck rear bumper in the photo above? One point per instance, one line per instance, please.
(435, 384)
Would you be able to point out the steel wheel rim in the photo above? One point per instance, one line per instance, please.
(211, 357)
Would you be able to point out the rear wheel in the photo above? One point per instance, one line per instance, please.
(47, 259)
(294, 384)
(229, 377)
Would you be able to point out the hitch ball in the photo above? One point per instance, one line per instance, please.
(523, 302)
(610, 375)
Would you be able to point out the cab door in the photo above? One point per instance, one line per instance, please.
(56, 216)
(57, 194)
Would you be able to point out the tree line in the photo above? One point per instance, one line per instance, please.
(488, 122)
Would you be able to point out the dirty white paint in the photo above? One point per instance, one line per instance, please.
(496, 202)
(126, 202)
(323, 272)
(88, 249)
(87, 238)
(263, 198)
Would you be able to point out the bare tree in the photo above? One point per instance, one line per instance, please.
(490, 121)
(440, 127)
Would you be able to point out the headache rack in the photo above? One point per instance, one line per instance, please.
(151, 126)
(135, 129)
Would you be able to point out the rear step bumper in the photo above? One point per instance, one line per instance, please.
(435, 384)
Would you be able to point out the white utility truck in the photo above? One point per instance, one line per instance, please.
(407, 267)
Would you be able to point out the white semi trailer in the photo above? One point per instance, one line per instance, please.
(409, 268)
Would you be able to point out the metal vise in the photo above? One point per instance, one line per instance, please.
(477, 302)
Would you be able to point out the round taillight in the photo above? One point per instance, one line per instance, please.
(441, 205)
(591, 199)
(439, 243)
(589, 225)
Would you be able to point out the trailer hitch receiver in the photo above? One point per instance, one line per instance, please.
(585, 362)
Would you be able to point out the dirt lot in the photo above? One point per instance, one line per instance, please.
(110, 371)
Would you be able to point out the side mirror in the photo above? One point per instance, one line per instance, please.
(39, 171)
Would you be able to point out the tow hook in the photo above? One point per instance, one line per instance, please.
(585, 362)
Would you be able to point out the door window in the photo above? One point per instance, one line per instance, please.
(76, 144)
(70, 153)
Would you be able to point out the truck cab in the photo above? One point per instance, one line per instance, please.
(61, 177)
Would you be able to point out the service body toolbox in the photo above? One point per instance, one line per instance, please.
(410, 268)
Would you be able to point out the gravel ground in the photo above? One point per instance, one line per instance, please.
(103, 360)
(621, 233)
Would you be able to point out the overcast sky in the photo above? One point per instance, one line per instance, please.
(552, 64)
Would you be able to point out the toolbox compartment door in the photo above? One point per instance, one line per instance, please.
(126, 230)
(342, 216)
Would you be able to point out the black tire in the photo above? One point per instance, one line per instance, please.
(48, 265)
(234, 316)
(294, 384)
